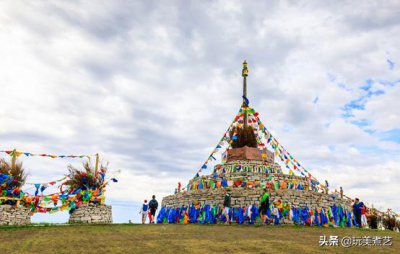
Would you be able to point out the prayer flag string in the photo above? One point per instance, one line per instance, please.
(264, 138)
(28, 154)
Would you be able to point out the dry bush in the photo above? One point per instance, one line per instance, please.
(373, 221)
(18, 172)
(389, 222)
(86, 178)
(245, 137)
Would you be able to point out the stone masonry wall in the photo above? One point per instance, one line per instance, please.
(92, 213)
(254, 177)
(13, 215)
(244, 197)
(247, 166)
(248, 196)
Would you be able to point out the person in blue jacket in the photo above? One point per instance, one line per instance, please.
(357, 211)
(144, 211)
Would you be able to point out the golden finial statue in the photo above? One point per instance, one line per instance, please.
(245, 72)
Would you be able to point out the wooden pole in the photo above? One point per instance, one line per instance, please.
(13, 162)
(13, 159)
(97, 163)
(102, 200)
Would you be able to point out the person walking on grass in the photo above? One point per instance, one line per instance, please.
(264, 204)
(153, 204)
(357, 211)
(144, 211)
(227, 206)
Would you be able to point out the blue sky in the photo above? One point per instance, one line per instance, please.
(152, 87)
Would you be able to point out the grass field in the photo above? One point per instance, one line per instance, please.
(132, 238)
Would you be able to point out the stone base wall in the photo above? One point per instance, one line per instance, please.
(247, 166)
(244, 197)
(13, 215)
(258, 180)
(92, 213)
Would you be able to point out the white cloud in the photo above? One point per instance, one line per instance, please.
(382, 111)
(152, 87)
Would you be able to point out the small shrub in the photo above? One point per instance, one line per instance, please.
(373, 221)
(389, 222)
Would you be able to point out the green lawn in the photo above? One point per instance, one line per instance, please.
(132, 238)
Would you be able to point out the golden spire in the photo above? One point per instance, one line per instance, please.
(245, 72)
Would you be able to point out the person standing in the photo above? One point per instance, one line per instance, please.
(144, 211)
(326, 187)
(153, 204)
(357, 211)
(264, 204)
(364, 222)
(275, 212)
(227, 206)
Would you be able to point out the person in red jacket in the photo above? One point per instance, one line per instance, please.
(364, 222)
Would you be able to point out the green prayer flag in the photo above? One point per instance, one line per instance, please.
(212, 184)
